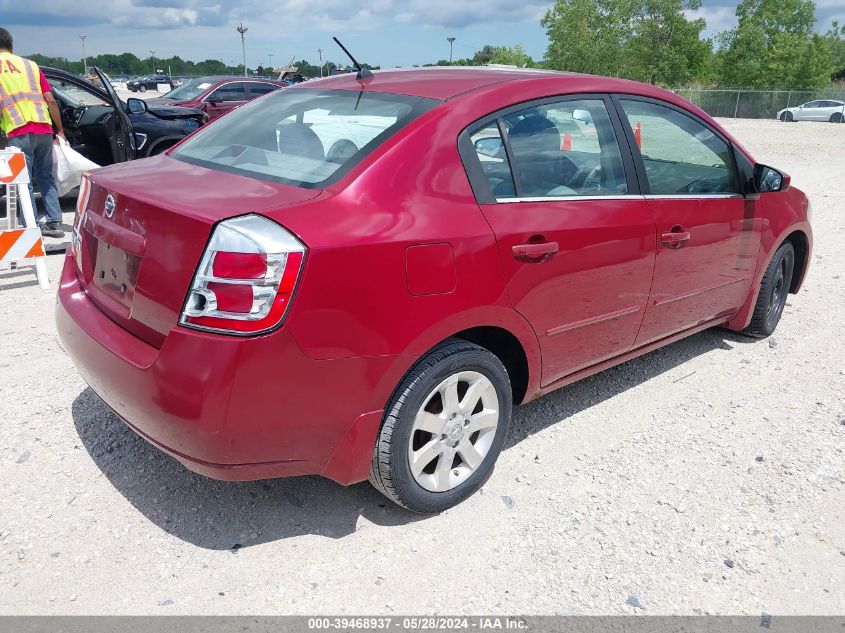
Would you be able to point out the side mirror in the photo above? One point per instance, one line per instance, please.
(136, 106)
(768, 179)
(582, 115)
(215, 101)
(491, 147)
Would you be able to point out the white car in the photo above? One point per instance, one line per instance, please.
(820, 110)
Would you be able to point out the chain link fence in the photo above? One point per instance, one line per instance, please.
(753, 104)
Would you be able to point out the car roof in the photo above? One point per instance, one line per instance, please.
(219, 78)
(449, 82)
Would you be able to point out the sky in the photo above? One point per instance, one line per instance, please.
(383, 32)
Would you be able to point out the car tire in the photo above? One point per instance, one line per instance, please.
(451, 412)
(774, 289)
(142, 88)
(788, 117)
(836, 117)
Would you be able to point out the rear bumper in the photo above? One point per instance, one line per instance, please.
(228, 408)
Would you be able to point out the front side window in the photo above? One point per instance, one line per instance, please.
(229, 92)
(680, 155)
(563, 149)
(302, 137)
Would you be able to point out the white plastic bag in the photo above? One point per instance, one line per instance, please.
(68, 166)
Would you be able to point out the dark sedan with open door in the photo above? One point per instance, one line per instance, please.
(137, 130)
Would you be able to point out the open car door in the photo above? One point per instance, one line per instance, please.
(120, 133)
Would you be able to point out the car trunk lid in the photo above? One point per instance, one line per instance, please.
(145, 228)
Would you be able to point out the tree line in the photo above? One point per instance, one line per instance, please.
(130, 65)
(773, 45)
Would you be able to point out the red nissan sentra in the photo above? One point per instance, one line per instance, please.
(359, 277)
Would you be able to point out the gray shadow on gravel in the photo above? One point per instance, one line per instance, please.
(567, 401)
(221, 515)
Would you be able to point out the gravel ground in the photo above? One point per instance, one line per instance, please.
(706, 477)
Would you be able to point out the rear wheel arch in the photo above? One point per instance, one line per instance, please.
(508, 349)
(521, 360)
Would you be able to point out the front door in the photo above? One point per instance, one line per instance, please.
(705, 233)
(119, 128)
(577, 248)
(225, 98)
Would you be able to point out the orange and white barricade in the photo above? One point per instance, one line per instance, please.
(20, 243)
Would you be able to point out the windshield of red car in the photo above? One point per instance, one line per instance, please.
(189, 90)
(301, 137)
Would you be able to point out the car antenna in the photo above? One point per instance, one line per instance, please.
(363, 73)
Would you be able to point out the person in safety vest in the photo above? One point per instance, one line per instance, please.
(29, 116)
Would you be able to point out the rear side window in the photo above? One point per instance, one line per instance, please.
(549, 150)
(565, 149)
(256, 89)
(490, 151)
(302, 137)
(680, 155)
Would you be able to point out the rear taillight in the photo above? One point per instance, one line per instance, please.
(245, 279)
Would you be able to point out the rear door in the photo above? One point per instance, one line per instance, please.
(829, 108)
(575, 239)
(120, 133)
(226, 97)
(706, 238)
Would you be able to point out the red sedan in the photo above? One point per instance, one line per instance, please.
(217, 95)
(360, 278)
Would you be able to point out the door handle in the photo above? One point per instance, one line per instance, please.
(535, 252)
(675, 238)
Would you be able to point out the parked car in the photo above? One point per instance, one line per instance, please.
(92, 129)
(350, 279)
(149, 82)
(217, 95)
(820, 110)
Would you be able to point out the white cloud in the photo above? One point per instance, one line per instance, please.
(717, 18)
(323, 14)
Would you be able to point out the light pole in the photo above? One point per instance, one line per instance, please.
(451, 41)
(242, 29)
(84, 57)
(320, 53)
(153, 57)
(270, 55)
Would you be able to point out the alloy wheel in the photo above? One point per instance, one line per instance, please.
(453, 431)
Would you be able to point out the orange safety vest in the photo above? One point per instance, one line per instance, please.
(21, 100)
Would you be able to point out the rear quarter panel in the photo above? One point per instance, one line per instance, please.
(354, 298)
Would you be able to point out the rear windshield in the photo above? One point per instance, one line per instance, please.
(301, 137)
